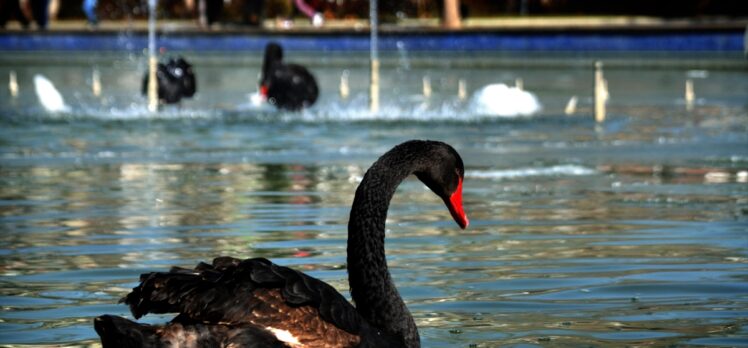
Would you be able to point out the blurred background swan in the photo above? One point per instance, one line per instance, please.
(499, 99)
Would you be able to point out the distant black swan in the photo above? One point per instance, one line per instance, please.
(176, 80)
(287, 86)
(255, 303)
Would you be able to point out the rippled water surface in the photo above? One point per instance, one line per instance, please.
(633, 232)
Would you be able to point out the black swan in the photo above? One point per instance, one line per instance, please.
(176, 80)
(255, 303)
(287, 86)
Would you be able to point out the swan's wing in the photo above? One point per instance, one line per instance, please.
(293, 87)
(301, 79)
(254, 292)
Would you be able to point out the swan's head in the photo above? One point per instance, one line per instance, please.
(273, 52)
(443, 174)
(184, 66)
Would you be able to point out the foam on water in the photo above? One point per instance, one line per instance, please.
(559, 170)
(331, 110)
(414, 109)
(138, 112)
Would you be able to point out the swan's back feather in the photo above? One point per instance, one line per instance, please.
(253, 292)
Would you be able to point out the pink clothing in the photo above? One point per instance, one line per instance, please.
(305, 8)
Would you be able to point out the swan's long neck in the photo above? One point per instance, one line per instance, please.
(376, 297)
(273, 57)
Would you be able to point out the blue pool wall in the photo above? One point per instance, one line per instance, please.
(727, 40)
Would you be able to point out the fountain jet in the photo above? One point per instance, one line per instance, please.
(600, 92)
(13, 84)
(374, 58)
(152, 59)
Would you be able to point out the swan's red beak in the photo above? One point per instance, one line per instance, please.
(264, 91)
(455, 207)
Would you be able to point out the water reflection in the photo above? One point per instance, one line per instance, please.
(629, 234)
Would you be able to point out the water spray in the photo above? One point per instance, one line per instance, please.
(690, 96)
(152, 58)
(571, 106)
(427, 87)
(96, 82)
(374, 58)
(600, 92)
(345, 91)
(13, 84)
(462, 89)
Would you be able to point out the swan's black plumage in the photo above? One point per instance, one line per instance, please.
(234, 301)
(440, 167)
(122, 333)
(287, 86)
(176, 80)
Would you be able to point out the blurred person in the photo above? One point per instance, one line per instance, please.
(316, 17)
(53, 10)
(191, 5)
(208, 11)
(280, 10)
(12, 8)
(177, 9)
(252, 12)
(40, 10)
(89, 8)
(213, 11)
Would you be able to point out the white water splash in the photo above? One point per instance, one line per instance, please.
(560, 170)
(48, 95)
(504, 101)
(415, 109)
(355, 108)
(139, 111)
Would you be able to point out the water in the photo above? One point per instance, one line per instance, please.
(632, 232)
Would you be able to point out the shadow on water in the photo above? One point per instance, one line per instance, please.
(627, 233)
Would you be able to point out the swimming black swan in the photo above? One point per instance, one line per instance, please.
(176, 80)
(255, 303)
(287, 86)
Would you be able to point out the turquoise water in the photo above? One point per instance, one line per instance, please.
(632, 232)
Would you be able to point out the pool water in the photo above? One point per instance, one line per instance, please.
(630, 232)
